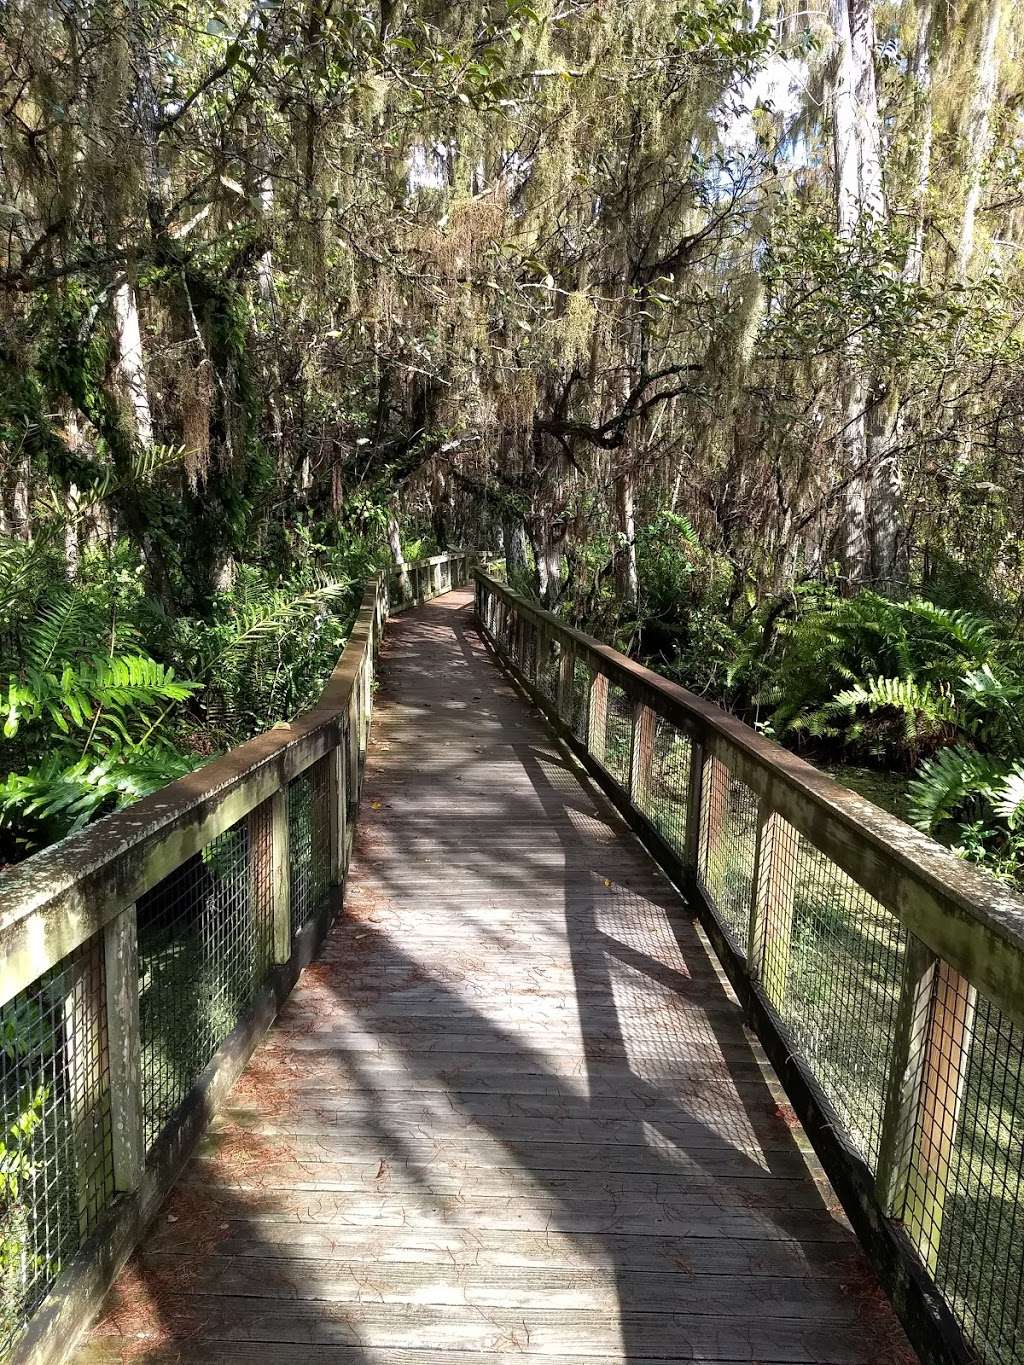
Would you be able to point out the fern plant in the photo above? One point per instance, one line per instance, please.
(110, 699)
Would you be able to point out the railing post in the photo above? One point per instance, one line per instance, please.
(597, 716)
(352, 748)
(941, 1079)
(124, 1049)
(694, 806)
(280, 875)
(435, 579)
(336, 798)
(642, 756)
(366, 688)
(772, 896)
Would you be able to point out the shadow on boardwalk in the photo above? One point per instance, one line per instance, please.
(511, 1111)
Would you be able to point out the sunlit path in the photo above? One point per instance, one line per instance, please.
(512, 1110)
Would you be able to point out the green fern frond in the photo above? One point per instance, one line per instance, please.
(1009, 802)
(272, 617)
(105, 696)
(949, 780)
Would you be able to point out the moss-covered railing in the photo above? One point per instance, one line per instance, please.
(884, 976)
(140, 962)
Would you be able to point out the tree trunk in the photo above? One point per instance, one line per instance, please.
(550, 565)
(867, 123)
(921, 94)
(980, 136)
(18, 518)
(439, 508)
(130, 366)
(625, 563)
(72, 549)
(844, 125)
(513, 543)
(397, 554)
(859, 201)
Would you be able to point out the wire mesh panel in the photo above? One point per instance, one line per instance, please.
(548, 655)
(667, 792)
(725, 864)
(528, 662)
(445, 574)
(831, 962)
(205, 944)
(963, 1201)
(580, 699)
(618, 734)
(309, 839)
(56, 1157)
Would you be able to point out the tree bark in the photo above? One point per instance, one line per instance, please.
(626, 563)
(859, 201)
(921, 94)
(397, 554)
(130, 363)
(513, 541)
(980, 136)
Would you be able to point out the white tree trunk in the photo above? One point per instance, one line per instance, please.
(628, 576)
(859, 200)
(921, 93)
(980, 136)
(72, 548)
(397, 554)
(844, 124)
(866, 121)
(130, 362)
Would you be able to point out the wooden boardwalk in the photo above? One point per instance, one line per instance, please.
(511, 1111)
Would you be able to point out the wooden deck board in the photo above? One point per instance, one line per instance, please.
(512, 1110)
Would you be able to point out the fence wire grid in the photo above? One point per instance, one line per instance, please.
(57, 1164)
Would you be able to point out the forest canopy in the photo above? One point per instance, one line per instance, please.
(708, 314)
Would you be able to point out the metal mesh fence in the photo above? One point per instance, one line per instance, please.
(309, 836)
(725, 863)
(205, 944)
(618, 734)
(831, 962)
(548, 656)
(56, 1158)
(667, 796)
(529, 661)
(962, 1202)
(579, 699)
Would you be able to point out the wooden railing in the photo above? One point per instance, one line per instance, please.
(140, 962)
(884, 976)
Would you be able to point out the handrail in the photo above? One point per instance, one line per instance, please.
(204, 900)
(884, 975)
